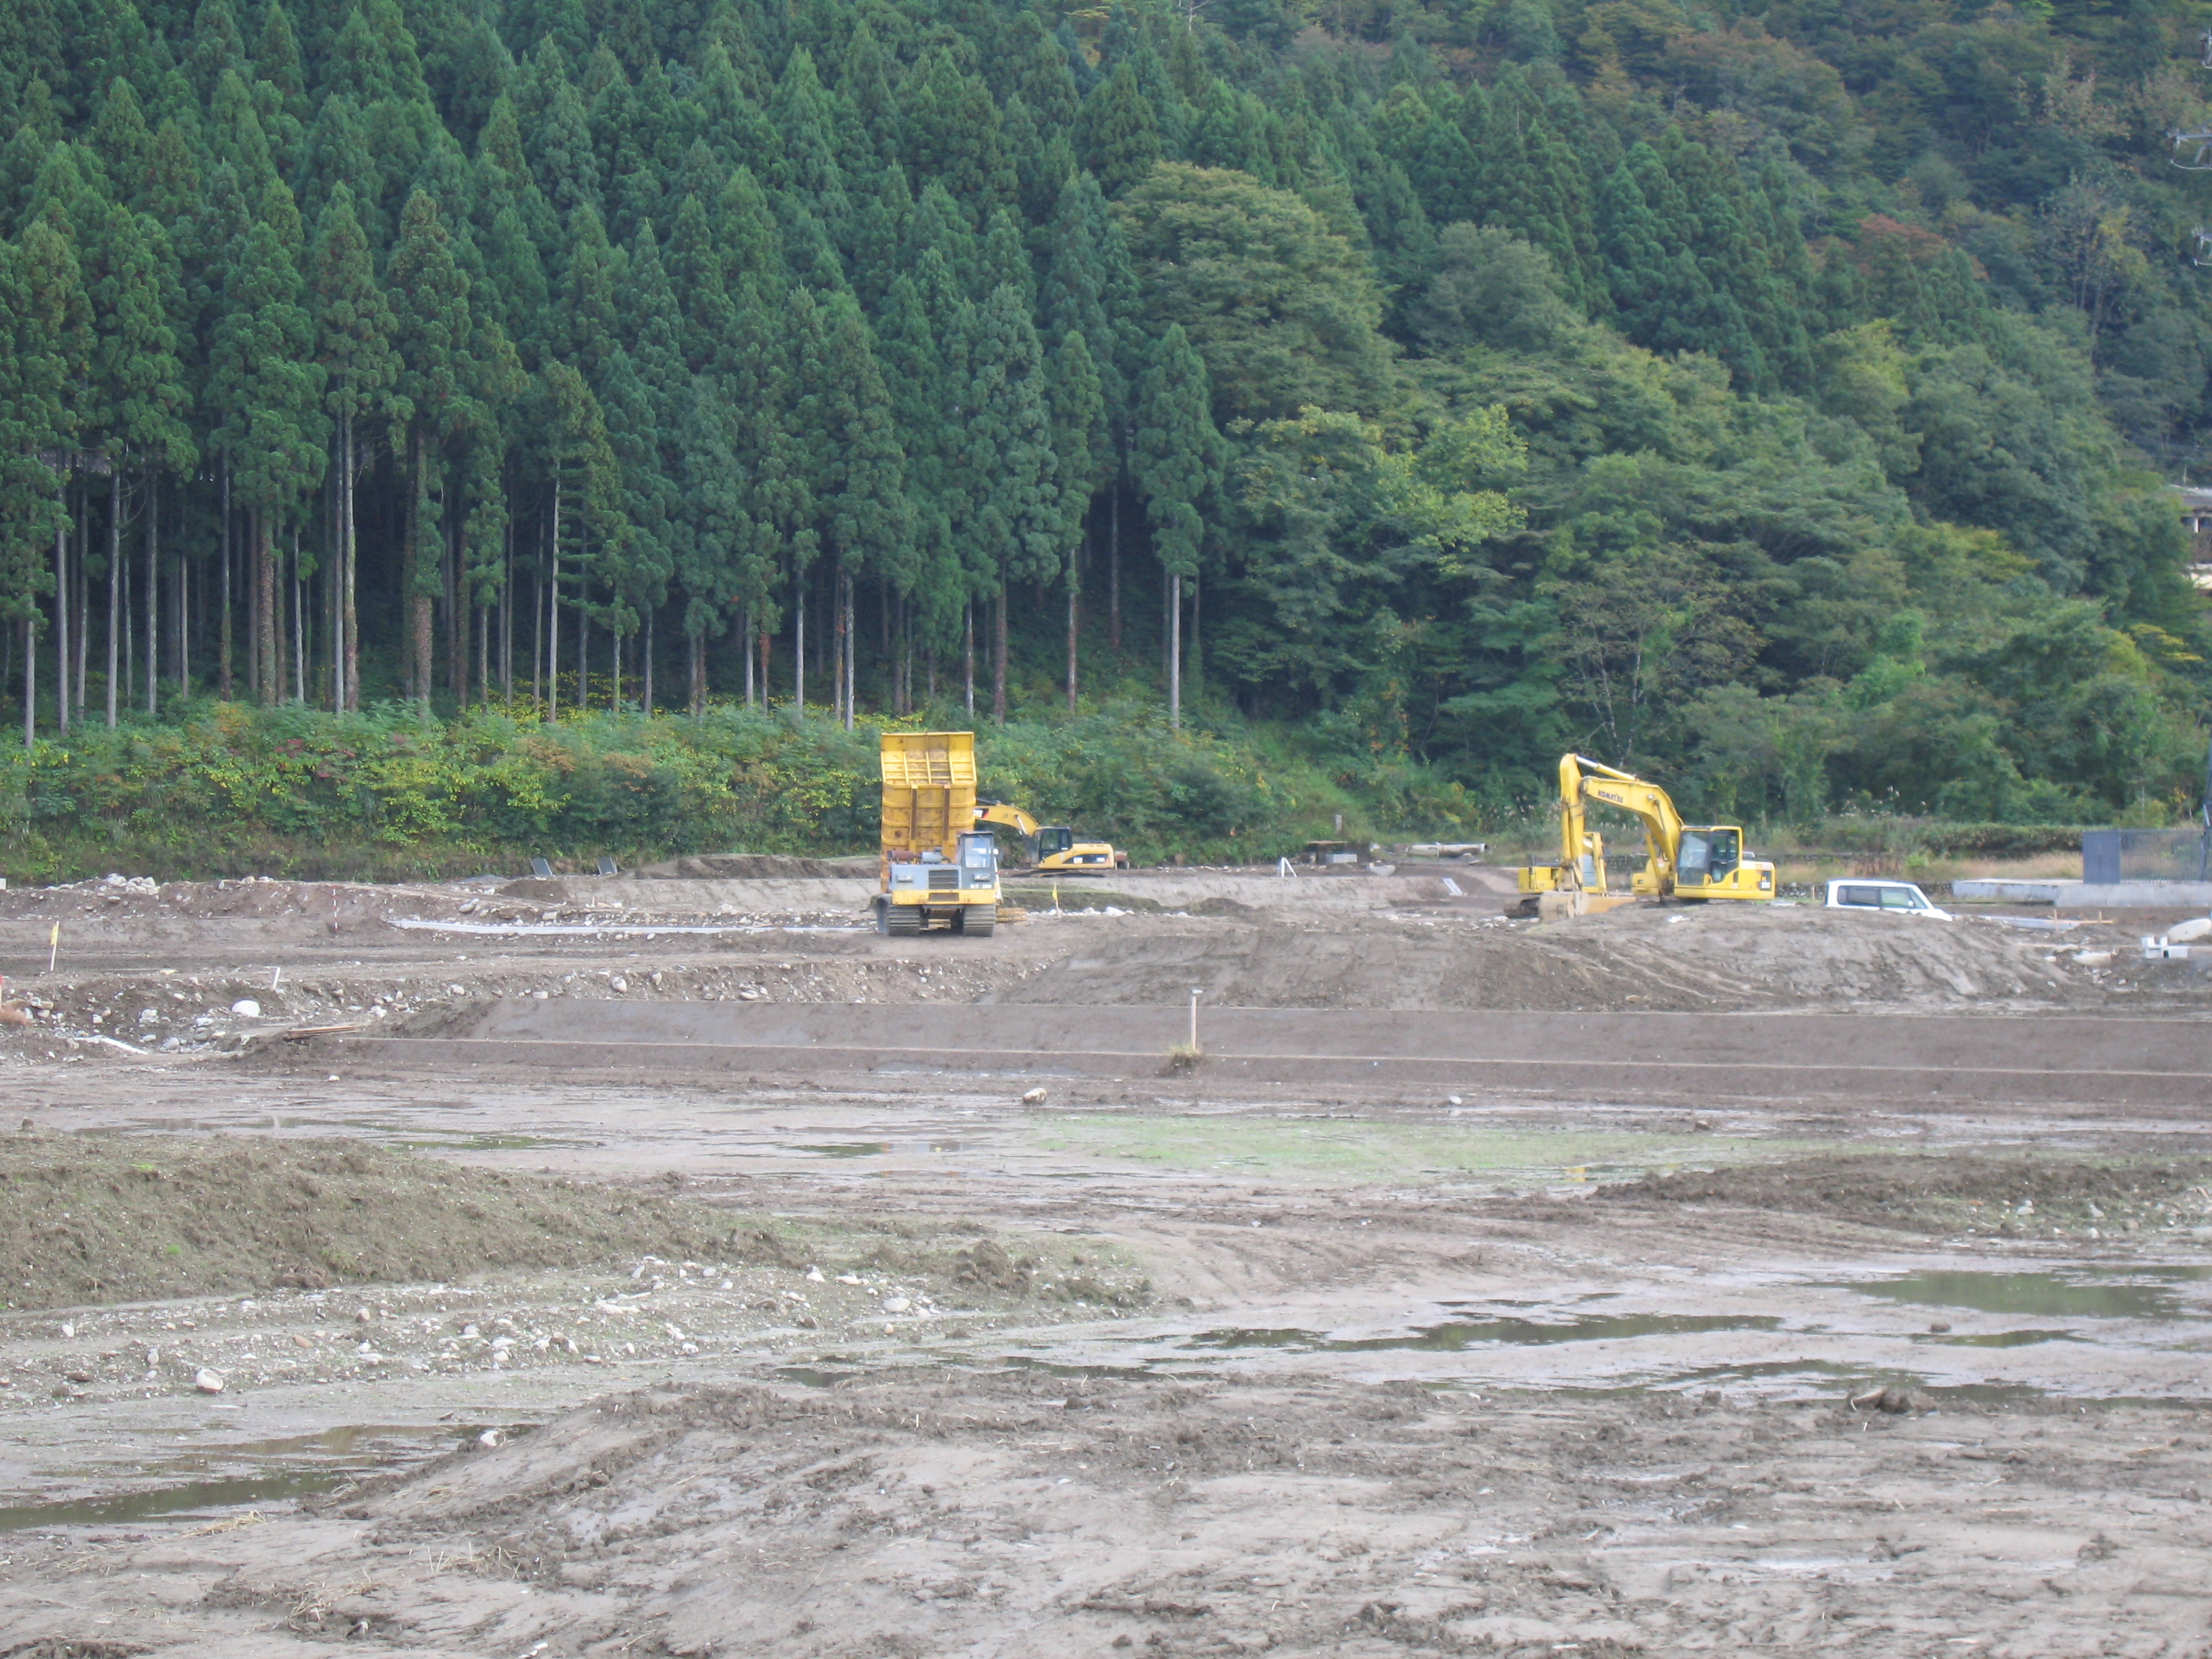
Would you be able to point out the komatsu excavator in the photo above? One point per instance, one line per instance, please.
(1053, 848)
(1688, 863)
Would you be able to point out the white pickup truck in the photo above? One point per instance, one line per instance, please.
(1896, 898)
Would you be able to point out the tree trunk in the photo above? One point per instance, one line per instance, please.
(82, 603)
(114, 585)
(999, 655)
(458, 606)
(746, 649)
(507, 618)
(257, 619)
(222, 661)
(851, 640)
(1197, 657)
(967, 655)
(839, 644)
(30, 681)
(299, 625)
(553, 610)
(799, 652)
(153, 591)
(184, 628)
(1074, 586)
(62, 623)
(1175, 653)
(1114, 567)
(269, 681)
(645, 645)
(128, 675)
(349, 529)
(420, 671)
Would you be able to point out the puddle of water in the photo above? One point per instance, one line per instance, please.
(2147, 1293)
(1017, 1362)
(808, 1377)
(2002, 1338)
(194, 1498)
(1518, 1332)
(308, 1464)
(878, 1148)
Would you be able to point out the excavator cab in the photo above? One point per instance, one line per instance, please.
(1708, 856)
(1712, 863)
(1050, 839)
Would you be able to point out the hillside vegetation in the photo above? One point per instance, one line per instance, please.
(1772, 399)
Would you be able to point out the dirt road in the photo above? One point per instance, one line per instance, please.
(838, 1361)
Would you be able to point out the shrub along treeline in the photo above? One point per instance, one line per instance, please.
(232, 790)
(1760, 401)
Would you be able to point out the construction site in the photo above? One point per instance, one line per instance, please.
(1321, 1258)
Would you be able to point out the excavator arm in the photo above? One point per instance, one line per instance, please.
(998, 811)
(1595, 780)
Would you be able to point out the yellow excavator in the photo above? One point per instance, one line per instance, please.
(1053, 848)
(1686, 862)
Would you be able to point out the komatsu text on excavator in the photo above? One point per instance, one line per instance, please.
(1690, 863)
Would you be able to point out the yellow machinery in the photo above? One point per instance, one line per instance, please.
(1053, 848)
(938, 870)
(1704, 862)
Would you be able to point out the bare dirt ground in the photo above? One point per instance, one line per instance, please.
(795, 1361)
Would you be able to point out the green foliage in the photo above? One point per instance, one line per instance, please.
(1785, 406)
(229, 790)
(1281, 308)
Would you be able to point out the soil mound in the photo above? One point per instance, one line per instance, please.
(1671, 959)
(758, 867)
(1949, 1193)
(145, 1218)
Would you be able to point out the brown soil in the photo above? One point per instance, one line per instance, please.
(133, 1217)
(913, 1513)
(1675, 959)
(1948, 1193)
(882, 1371)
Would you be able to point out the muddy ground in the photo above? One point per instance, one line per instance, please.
(803, 1363)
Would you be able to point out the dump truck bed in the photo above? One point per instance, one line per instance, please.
(929, 790)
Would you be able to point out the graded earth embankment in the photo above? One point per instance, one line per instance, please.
(1920, 1058)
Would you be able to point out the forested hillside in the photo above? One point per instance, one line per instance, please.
(1782, 400)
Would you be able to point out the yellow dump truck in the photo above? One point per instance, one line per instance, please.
(939, 869)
